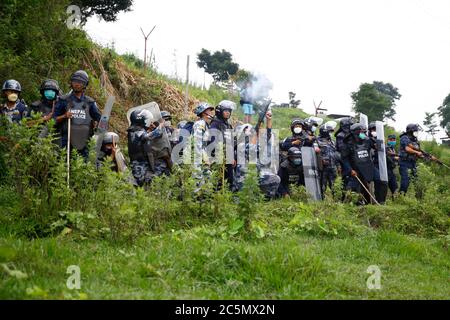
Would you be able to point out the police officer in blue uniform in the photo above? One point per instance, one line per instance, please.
(83, 112)
(409, 153)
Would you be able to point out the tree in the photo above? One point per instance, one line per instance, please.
(106, 9)
(376, 100)
(220, 64)
(431, 123)
(444, 112)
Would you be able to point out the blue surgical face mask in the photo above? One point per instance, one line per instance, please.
(392, 143)
(49, 94)
(297, 162)
(362, 136)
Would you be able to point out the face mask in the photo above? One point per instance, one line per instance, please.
(297, 162)
(298, 130)
(13, 97)
(392, 143)
(168, 123)
(416, 134)
(374, 134)
(313, 129)
(362, 136)
(50, 94)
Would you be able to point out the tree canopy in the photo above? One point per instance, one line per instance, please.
(444, 112)
(106, 9)
(377, 100)
(219, 64)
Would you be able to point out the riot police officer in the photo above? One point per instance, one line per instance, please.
(392, 162)
(329, 158)
(147, 148)
(50, 92)
(205, 114)
(82, 111)
(221, 125)
(381, 187)
(291, 172)
(357, 162)
(14, 108)
(344, 131)
(409, 153)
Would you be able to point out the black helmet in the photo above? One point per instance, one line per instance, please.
(80, 76)
(324, 132)
(142, 118)
(110, 137)
(413, 127)
(12, 85)
(357, 128)
(346, 123)
(166, 115)
(225, 105)
(49, 84)
(294, 152)
(297, 122)
(392, 136)
(202, 107)
(372, 126)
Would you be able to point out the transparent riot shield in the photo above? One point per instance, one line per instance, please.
(153, 107)
(311, 173)
(381, 144)
(364, 120)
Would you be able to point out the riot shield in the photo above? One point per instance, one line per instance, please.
(153, 107)
(103, 124)
(331, 125)
(382, 162)
(311, 173)
(364, 120)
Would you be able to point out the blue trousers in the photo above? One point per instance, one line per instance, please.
(406, 167)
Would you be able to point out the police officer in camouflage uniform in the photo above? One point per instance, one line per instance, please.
(249, 145)
(202, 169)
(14, 109)
(148, 147)
(329, 158)
(83, 112)
(221, 124)
(291, 172)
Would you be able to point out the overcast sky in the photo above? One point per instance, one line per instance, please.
(321, 49)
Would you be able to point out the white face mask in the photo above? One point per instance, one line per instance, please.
(313, 129)
(374, 134)
(13, 97)
(168, 123)
(298, 130)
(416, 134)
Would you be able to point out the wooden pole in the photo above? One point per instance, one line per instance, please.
(186, 102)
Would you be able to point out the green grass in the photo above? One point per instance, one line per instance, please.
(191, 265)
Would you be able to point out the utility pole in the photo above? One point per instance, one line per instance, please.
(186, 102)
(145, 50)
(317, 108)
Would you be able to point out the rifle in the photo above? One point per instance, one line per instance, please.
(430, 157)
(262, 115)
